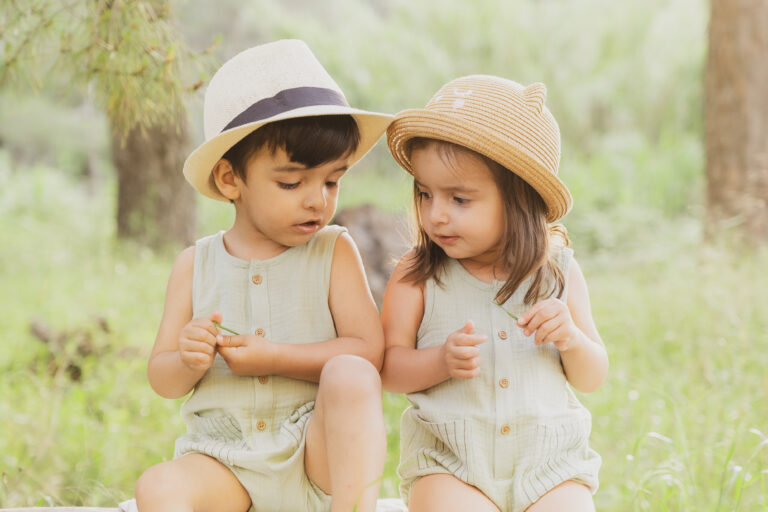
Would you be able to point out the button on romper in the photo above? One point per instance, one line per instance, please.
(516, 430)
(256, 426)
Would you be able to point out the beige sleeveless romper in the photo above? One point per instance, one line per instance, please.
(516, 430)
(256, 425)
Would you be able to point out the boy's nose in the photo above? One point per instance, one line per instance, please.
(315, 200)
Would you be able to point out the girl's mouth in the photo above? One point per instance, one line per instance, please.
(447, 240)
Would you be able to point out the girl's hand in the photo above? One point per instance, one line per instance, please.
(197, 342)
(462, 356)
(551, 320)
(247, 354)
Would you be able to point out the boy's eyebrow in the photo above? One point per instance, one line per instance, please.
(299, 167)
(290, 167)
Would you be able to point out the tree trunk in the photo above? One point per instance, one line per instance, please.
(736, 112)
(155, 205)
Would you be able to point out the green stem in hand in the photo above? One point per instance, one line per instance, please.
(507, 312)
(221, 327)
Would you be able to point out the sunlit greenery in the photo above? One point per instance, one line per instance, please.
(681, 420)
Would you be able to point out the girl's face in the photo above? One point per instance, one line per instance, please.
(460, 205)
(284, 202)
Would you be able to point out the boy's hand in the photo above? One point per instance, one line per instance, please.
(247, 354)
(197, 342)
(462, 356)
(551, 320)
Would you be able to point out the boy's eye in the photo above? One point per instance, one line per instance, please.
(287, 186)
(331, 184)
(460, 200)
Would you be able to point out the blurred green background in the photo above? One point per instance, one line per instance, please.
(681, 421)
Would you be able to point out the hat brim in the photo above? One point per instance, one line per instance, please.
(200, 163)
(409, 124)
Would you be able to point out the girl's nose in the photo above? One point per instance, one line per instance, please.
(438, 213)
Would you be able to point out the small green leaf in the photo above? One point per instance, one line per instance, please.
(221, 327)
(507, 312)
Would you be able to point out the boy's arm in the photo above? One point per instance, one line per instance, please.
(168, 375)
(354, 314)
(407, 369)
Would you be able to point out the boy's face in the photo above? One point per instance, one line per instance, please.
(284, 201)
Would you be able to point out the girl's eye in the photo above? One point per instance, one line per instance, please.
(460, 200)
(287, 186)
(331, 184)
(424, 195)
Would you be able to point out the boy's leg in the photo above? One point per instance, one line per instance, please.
(346, 438)
(568, 495)
(441, 492)
(193, 482)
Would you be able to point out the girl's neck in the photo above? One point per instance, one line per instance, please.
(485, 272)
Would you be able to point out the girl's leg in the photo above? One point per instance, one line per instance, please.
(441, 492)
(192, 483)
(568, 495)
(346, 438)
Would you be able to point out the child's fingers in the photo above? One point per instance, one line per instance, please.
(216, 316)
(197, 347)
(470, 340)
(467, 328)
(530, 315)
(460, 352)
(545, 330)
(231, 341)
(466, 374)
(467, 364)
(534, 321)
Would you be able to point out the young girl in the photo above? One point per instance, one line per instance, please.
(286, 415)
(487, 319)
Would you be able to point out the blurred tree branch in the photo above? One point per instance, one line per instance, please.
(130, 57)
(129, 50)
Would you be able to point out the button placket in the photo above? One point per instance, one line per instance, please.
(503, 360)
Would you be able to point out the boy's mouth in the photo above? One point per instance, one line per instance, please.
(309, 226)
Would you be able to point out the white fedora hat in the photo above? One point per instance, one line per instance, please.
(271, 82)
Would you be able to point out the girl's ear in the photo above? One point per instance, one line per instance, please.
(226, 180)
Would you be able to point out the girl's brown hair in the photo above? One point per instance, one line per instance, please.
(525, 242)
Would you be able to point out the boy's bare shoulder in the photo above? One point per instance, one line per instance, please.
(185, 262)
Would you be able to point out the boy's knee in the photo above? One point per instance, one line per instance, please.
(347, 375)
(156, 482)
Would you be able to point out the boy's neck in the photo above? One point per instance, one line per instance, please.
(251, 245)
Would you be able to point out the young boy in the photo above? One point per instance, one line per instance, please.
(286, 415)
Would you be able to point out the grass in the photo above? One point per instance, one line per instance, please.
(680, 421)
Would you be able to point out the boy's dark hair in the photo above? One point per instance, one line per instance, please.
(310, 141)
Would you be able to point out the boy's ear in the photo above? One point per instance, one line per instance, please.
(226, 180)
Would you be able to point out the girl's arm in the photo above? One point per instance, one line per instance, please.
(585, 364)
(406, 369)
(570, 327)
(173, 372)
(354, 313)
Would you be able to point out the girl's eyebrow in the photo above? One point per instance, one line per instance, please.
(461, 189)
